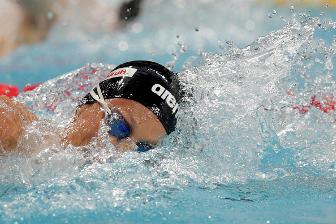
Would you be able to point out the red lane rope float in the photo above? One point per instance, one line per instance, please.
(326, 105)
(31, 87)
(13, 91)
(9, 90)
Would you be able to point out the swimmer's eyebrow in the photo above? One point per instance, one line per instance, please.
(128, 117)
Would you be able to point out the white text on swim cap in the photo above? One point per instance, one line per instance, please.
(165, 95)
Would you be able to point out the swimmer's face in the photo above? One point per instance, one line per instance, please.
(144, 124)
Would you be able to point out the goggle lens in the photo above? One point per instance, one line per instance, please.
(143, 147)
(118, 127)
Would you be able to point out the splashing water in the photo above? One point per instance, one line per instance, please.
(250, 119)
(247, 117)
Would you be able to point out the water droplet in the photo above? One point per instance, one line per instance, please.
(183, 49)
(292, 8)
(229, 43)
(170, 65)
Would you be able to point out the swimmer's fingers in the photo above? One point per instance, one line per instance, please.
(4, 99)
(25, 113)
(9, 103)
(13, 116)
(11, 128)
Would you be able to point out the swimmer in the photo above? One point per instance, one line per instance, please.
(138, 102)
(30, 21)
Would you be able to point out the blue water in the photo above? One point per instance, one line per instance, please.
(240, 154)
(157, 35)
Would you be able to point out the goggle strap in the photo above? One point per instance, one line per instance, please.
(100, 99)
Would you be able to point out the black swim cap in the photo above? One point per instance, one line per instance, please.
(146, 82)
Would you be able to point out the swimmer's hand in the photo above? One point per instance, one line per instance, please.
(84, 126)
(13, 117)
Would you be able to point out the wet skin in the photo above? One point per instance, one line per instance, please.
(145, 126)
(85, 124)
(13, 117)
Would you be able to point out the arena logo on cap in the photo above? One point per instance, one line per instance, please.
(122, 72)
(165, 95)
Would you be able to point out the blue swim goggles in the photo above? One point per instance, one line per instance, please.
(118, 126)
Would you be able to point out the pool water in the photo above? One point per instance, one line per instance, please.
(159, 34)
(251, 145)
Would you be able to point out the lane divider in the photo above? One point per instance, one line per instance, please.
(326, 105)
(13, 91)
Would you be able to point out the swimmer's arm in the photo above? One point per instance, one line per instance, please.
(84, 127)
(13, 118)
